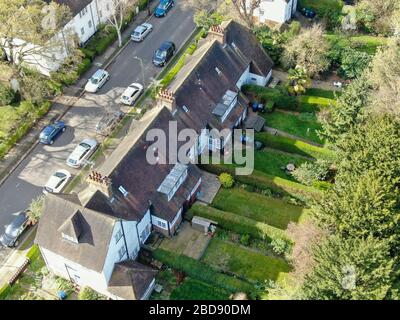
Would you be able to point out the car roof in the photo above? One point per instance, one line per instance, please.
(98, 73)
(18, 220)
(48, 129)
(130, 90)
(165, 45)
(140, 28)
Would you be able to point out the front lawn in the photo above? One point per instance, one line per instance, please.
(303, 125)
(245, 263)
(192, 289)
(364, 43)
(272, 211)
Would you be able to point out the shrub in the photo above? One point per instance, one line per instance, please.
(203, 272)
(279, 246)
(7, 95)
(237, 223)
(269, 107)
(4, 291)
(245, 239)
(84, 66)
(65, 285)
(294, 146)
(33, 252)
(88, 294)
(226, 180)
(279, 96)
(309, 172)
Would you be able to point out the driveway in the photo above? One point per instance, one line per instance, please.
(26, 182)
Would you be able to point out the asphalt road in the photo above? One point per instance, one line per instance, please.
(26, 182)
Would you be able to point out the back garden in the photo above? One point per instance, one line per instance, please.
(251, 250)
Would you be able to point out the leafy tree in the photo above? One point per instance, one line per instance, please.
(7, 95)
(308, 50)
(245, 9)
(349, 110)
(34, 86)
(36, 209)
(27, 22)
(350, 269)
(309, 172)
(385, 79)
(298, 81)
(353, 63)
(205, 20)
(375, 16)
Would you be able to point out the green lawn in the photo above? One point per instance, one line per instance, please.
(270, 161)
(272, 211)
(365, 43)
(316, 92)
(304, 125)
(192, 289)
(229, 257)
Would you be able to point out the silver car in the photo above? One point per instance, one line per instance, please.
(99, 78)
(82, 153)
(13, 231)
(141, 32)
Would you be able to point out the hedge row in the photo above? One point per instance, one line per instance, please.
(264, 181)
(4, 291)
(238, 224)
(203, 272)
(33, 252)
(278, 95)
(294, 146)
(23, 129)
(192, 289)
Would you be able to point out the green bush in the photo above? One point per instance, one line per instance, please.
(237, 223)
(278, 95)
(88, 53)
(33, 252)
(245, 239)
(4, 291)
(7, 95)
(226, 180)
(84, 66)
(294, 146)
(279, 246)
(203, 272)
(87, 293)
(65, 285)
(269, 107)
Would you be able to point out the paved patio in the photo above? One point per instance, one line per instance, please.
(188, 242)
(209, 187)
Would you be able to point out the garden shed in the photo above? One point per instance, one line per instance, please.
(203, 224)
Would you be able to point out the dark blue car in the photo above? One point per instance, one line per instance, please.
(50, 132)
(163, 8)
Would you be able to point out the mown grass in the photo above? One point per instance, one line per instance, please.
(192, 289)
(245, 263)
(272, 211)
(271, 162)
(365, 43)
(304, 125)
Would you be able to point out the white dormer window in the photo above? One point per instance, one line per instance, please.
(67, 237)
(123, 191)
(118, 235)
(174, 180)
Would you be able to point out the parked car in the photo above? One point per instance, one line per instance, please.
(108, 122)
(141, 32)
(256, 106)
(164, 53)
(82, 152)
(14, 230)
(163, 8)
(99, 78)
(57, 182)
(131, 93)
(308, 12)
(50, 132)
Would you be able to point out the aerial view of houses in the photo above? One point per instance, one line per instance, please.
(199, 150)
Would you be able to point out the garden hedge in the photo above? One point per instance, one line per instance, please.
(277, 95)
(294, 146)
(264, 181)
(192, 289)
(203, 272)
(239, 224)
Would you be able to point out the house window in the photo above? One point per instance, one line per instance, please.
(162, 224)
(83, 12)
(90, 23)
(82, 30)
(121, 252)
(134, 253)
(100, 14)
(118, 235)
(108, 7)
(261, 11)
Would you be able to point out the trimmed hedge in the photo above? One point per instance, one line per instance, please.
(192, 289)
(264, 181)
(277, 95)
(33, 252)
(4, 291)
(294, 146)
(239, 224)
(203, 272)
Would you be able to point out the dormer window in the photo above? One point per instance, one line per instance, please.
(69, 238)
(173, 181)
(225, 106)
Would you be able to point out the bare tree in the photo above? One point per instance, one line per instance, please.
(245, 9)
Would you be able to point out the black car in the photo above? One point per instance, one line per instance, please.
(164, 53)
(15, 229)
(308, 12)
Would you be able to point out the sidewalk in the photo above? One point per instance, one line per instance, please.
(62, 103)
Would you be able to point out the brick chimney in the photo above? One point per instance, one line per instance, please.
(217, 32)
(102, 183)
(166, 98)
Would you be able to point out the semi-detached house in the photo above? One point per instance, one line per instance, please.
(93, 238)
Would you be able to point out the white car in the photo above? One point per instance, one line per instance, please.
(57, 182)
(99, 78)
(131, 93)
(82, 152)
(141, 32)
